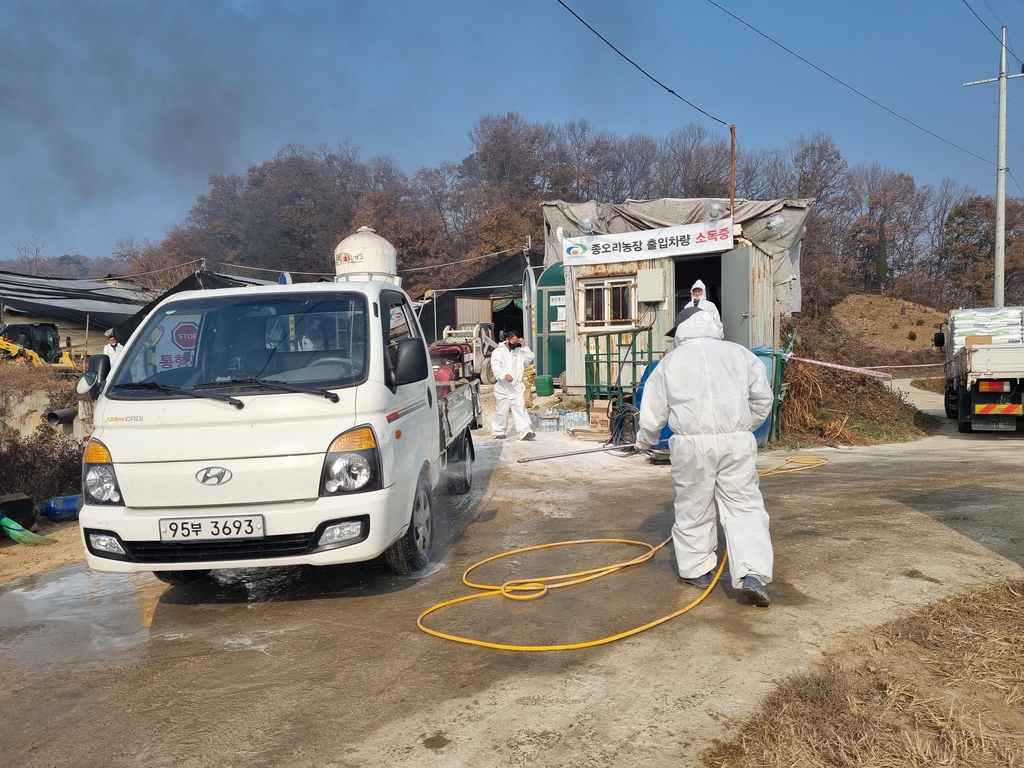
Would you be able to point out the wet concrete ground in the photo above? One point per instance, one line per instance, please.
(325, 667)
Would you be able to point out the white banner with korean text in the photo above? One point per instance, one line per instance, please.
(683, 240)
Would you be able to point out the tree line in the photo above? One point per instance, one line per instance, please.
(872, 227)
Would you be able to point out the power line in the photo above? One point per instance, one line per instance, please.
(987, 29)
(846, 85)
(275, 271)
(1015, 182)
(328, 274)
(163, 269)
(460, 261)
(994, 16)
(642, 70)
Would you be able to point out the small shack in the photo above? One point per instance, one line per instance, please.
(495, 296)
(627, 270)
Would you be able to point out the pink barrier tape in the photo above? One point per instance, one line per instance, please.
(861, 371)
(922, 365)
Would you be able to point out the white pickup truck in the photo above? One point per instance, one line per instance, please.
(274, 425)
(984, 373)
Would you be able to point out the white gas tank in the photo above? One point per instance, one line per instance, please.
(366, 256)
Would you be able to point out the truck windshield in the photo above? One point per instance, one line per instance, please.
(309, 341)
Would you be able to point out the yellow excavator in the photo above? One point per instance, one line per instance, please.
(38, 344)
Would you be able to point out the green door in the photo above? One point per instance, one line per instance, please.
(551, 320)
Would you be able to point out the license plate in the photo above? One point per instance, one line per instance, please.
(211, 528)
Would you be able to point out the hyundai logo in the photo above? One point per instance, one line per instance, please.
(213, 475)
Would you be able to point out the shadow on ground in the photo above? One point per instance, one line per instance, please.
(992, 517)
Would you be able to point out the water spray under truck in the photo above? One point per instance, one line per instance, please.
(299, 424)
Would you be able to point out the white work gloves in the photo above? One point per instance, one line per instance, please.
(640, 445)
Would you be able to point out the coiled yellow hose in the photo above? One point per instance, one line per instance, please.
(536, 587)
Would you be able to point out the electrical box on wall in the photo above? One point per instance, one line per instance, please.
(650, 285)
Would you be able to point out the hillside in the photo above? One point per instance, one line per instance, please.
(880, 328)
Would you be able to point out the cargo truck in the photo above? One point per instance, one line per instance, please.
(274, 425)
(984, 369)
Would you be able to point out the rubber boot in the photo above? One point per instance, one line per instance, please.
(701, 582)
(755, 592)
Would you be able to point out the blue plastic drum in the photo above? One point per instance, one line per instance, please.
(61, 508)
(767, 356)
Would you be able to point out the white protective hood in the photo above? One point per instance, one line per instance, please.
(700, 325)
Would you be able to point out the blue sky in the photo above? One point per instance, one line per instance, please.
(113, 114)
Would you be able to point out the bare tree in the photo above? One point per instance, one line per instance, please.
(30, 256)
(694, 163)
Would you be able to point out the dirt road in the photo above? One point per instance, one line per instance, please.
(304, 667)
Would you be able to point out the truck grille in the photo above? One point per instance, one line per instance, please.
(210, 551)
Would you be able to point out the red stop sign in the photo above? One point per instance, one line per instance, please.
(184, 335)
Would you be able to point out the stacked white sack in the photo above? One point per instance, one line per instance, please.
(1004, 324)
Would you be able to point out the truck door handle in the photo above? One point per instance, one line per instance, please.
(430, 400)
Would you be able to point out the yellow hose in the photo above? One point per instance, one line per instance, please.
(536, 587)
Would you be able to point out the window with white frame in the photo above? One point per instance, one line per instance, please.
(607, 303)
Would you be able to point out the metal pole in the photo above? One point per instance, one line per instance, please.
(1001, 182)
(85, 355)
(732, 175)
(1000, 233)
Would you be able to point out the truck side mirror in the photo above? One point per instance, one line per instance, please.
(67, 342)
(411, 363)
(92, 380)
(939, 339)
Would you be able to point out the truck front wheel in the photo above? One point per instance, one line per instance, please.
(951, 404)
(411, 553)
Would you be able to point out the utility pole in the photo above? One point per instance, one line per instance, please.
(1000, 270)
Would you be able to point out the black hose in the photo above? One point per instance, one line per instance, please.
(623, 425)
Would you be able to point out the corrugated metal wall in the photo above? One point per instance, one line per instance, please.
(468, 310)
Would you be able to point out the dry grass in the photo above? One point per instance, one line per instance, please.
(826, 406)
(45, 465)
(942, 687)
(17, 380)
(836, 408)
(48, 463)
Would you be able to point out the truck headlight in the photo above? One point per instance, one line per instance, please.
(99, 483)
(352, 463)
(348, 472)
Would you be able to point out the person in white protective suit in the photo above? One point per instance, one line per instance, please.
(699, 299)
(712, 394)
(112, 348)
(507, 363)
